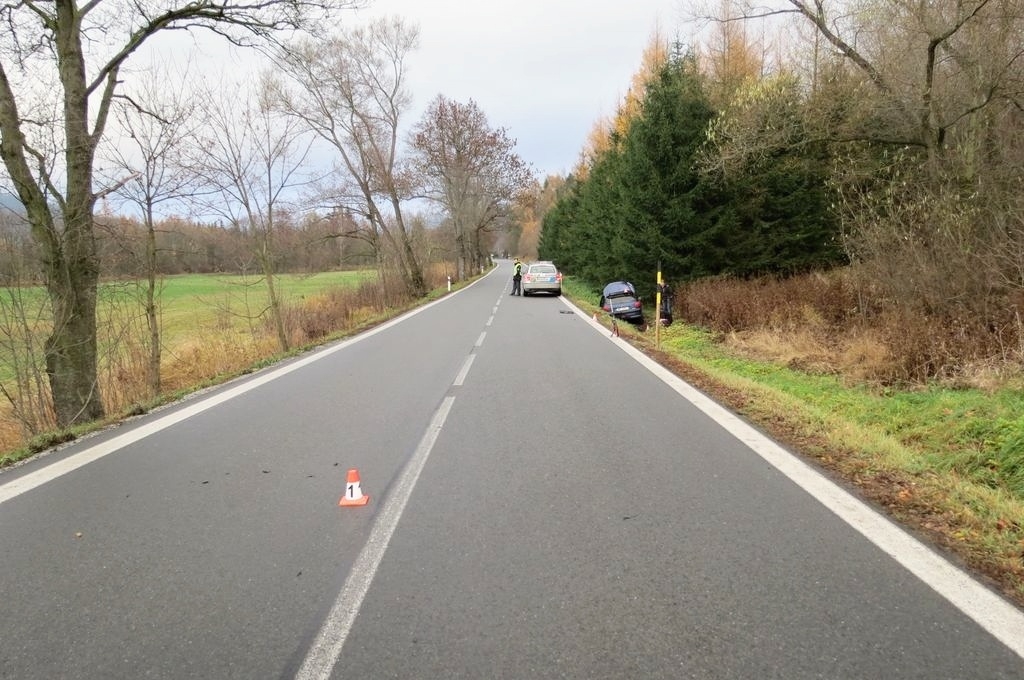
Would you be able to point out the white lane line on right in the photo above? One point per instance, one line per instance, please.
(990, 611)
(323, 655)
(480, 340)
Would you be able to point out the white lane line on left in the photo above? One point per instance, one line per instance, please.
(480, 340)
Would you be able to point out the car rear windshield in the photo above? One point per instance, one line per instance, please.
(543, 269)
(617, 290)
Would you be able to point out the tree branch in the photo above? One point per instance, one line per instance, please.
(817, 17)
(259, 18)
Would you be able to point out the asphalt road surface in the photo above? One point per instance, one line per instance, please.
(544, 503)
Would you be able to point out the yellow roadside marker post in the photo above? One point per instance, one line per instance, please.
(657, 309)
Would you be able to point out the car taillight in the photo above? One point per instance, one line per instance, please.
(607, 308)
(637, 304)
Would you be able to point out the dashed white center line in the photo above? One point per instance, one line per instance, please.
(461, 377)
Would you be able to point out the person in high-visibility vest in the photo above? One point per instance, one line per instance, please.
(517, 276)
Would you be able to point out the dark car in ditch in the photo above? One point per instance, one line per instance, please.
(619, 299)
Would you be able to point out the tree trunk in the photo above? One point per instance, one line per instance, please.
(276, 311)
(73, 267)
(460, 252)
(152, 319)
(417, 286)
(380, 226)
(71, 348)
(475, 252)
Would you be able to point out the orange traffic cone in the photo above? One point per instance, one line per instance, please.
(353, 494)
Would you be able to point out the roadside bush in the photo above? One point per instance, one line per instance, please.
(870, 336)
(221, 352)
(948, 346)
(729, 304)
(339, 309)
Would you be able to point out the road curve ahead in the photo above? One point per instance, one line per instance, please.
(544, 503)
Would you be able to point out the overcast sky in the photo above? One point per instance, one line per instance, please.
(545, 70)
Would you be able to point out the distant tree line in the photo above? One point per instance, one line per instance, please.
(186, 247)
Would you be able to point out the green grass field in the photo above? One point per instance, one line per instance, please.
(194, 301)
(188, 304)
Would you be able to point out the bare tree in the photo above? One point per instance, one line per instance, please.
(920, 104)
(80, 50)
(350, 90)
(254, 157)
(937, 69)
(155, 123)
(470, 169)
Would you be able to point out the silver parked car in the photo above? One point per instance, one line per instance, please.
(542, 277)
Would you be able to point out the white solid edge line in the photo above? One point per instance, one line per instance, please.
(27, 482)
(1002, 619)
(323, 654)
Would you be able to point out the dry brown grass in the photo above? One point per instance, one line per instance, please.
(838, 322)
(802, 349)
(11, 434)
(863, 356)
(857, 354)
(218, 353)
